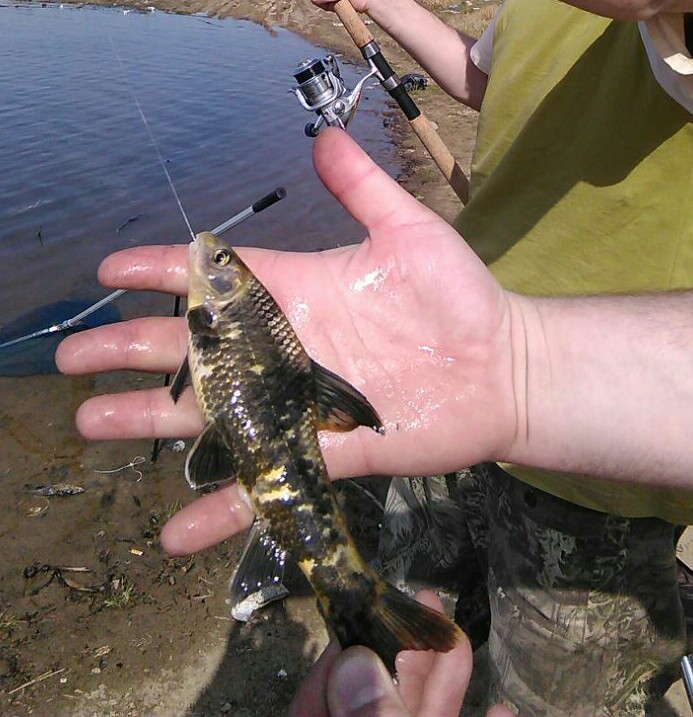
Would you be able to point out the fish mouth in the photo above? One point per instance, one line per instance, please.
(195, 296)
(197, 291)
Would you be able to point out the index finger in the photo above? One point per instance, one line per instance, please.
(434, 683)
(155, 268)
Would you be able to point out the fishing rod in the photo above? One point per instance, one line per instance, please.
(258, 206)
(67, 323)
(687, 674)
(321, 89)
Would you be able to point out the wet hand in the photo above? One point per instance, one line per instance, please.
(355, 682)
(410, 317)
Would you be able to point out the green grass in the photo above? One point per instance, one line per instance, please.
(120, 595)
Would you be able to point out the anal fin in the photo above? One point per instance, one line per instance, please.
(258, 578)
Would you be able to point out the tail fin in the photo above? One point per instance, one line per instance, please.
(394, 622)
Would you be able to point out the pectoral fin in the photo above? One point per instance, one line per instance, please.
(341, 407)
(201, 321)
(210, 460)
(258, 578)
(180, 379)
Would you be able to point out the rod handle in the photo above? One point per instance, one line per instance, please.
(353, 23)
(441, 156)
(420, 124)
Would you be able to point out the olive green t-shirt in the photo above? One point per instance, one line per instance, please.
(582, 182)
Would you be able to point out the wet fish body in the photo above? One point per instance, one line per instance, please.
(264, 400)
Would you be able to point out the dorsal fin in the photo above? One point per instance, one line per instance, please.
(340, 406)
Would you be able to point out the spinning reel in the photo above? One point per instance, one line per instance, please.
(321, 89)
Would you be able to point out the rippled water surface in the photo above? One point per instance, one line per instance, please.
(77, 162)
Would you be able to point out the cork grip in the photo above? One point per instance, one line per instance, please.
(420, 124)
(353, 23)
(441, 156)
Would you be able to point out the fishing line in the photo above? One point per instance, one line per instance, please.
(176, 303)
(258, 206)
(137, 460)
(151, 137)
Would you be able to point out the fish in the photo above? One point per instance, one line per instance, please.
(55, 489)
(264, 399)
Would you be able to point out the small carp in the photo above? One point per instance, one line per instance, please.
(264, 400)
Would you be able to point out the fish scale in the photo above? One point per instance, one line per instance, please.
(275, 437)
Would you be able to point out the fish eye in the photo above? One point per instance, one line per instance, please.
(221, 257)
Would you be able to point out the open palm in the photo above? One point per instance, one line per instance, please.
(410, 317)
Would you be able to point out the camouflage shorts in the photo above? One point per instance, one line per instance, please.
(586, 617)
(581, 609)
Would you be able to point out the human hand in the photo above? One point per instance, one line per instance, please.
(355, 682)
(411, 317)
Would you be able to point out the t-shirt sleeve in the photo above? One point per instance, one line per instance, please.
(670, 59)
(482, 50)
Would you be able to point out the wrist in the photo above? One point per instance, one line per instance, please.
(572, 357)
(523, 326)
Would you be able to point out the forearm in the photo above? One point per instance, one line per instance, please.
(604, 386)
(441, 50)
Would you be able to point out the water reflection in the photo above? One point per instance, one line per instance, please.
(80, 177)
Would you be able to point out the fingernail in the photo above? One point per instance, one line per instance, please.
(360, 680)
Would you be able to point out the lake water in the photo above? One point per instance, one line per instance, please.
(77, 162)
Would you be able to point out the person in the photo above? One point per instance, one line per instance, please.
(454, 364)
(580, 184)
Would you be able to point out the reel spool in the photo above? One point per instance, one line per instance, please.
(320, 89)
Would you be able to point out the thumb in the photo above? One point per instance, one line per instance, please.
(360, 686)
(368, 193)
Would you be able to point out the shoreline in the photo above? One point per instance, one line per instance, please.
(455, 123)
